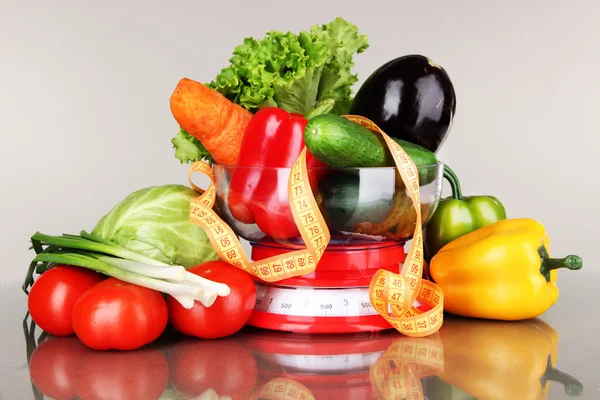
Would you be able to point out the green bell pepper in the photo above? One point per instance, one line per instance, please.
(458, 215)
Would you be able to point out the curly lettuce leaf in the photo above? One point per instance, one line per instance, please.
(294, 71)
(344, 41)
(189, 149)
(281, 70)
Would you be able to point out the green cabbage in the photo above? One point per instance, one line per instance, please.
(155, 222)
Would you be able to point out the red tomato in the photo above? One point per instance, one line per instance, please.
(53, 295)
(227, 315)
(119, 315)
(138, 374)
(222, 364)
(53, 366)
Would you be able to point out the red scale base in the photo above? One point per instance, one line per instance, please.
(333, 298)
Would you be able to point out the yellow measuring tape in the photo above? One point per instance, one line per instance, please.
(397, 374)
(282, 389)
(392, 295)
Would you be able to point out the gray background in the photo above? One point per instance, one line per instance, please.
(85, 119)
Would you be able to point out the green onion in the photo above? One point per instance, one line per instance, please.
(221, 288)
(95, 253)
(175, 273)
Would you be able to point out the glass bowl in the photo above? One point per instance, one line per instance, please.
(355, 202)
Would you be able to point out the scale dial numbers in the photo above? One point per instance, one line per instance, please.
(311, 302)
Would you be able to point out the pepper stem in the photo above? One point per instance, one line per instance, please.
(571, 262)
(322, 107)
(571, 385)
(454, 183)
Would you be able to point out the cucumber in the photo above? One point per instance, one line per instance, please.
(341, 143)
(347, 197)
(340, 197)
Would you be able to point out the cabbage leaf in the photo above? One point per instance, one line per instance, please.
(154, 221)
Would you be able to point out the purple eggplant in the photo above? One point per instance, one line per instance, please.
(411, 98)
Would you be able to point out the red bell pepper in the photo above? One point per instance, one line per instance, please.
(258, 190)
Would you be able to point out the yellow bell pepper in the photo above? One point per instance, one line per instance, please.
(502, 271)
(493, 360)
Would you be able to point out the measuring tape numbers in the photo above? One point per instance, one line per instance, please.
(398, 372)
(391, 295)
(282, 389)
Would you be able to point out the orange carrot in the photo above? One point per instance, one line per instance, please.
(216, 122)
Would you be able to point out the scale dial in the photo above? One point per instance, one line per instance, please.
(313, 302)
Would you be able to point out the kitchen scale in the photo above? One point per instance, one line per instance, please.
(334, 298)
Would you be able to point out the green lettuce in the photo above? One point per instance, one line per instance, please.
(154, 221)
(189, 149)
(294, 71)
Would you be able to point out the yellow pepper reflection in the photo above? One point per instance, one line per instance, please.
(497, 360)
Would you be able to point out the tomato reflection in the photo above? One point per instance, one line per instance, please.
(120, 375)
(53, 366)
(223, 365)
(63, 368)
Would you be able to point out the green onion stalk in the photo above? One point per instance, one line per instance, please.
(96, 253)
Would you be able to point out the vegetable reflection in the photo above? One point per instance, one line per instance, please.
(223, 365)
(63, 368)
(496, 360)
(172, 368)
(53, 367)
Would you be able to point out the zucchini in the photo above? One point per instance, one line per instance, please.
(341, 143)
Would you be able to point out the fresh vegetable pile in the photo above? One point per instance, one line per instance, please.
(146, 265)
(143, 266)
